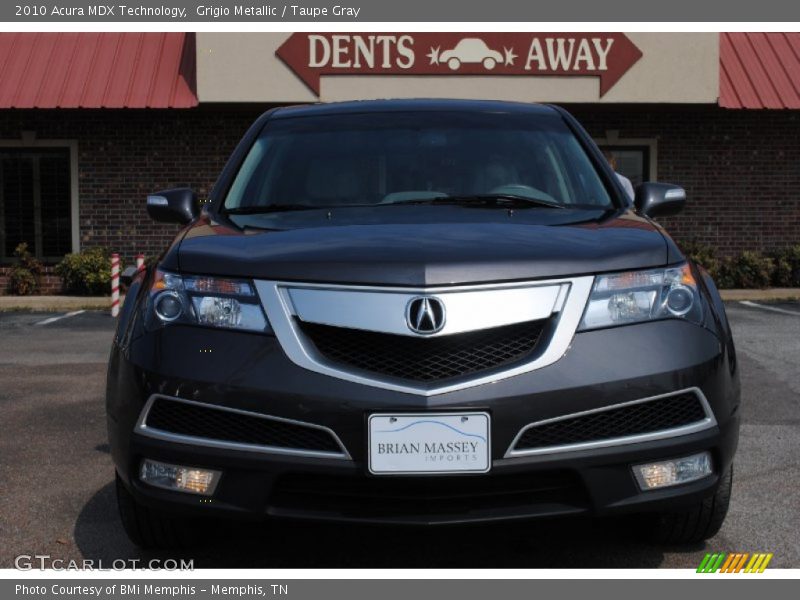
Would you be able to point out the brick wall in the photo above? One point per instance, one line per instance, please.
(49, 282)
(741, 169)
(125, 154)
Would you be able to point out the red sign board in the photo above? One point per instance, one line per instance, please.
(604, 55)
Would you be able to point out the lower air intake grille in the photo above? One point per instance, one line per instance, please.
(634, 419)
(202, 421)
(366, 498)
(426, 358)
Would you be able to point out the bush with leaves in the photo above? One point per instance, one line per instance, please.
(703, 255)
(749, 270)
(787, 267)
(87, 273)
(23, 278)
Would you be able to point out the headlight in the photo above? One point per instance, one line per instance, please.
(636, 296)
(211, 301)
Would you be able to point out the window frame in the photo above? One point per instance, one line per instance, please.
(613, 140)
(27, 142)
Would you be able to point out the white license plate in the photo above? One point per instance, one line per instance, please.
(429, 443)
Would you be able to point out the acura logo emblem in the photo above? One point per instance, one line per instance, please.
(425, 315)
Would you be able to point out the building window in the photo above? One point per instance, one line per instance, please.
(36, 201)
(632, 161)
(635, 158)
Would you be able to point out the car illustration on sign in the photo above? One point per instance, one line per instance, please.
(471, 51)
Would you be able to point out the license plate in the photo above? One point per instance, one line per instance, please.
(426, 443)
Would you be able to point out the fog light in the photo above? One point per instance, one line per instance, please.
(176, 477)
(673, 472)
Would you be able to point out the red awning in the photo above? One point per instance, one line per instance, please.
(97, 70)
(759, 70)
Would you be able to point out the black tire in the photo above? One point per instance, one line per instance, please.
(697, 523)
(148, 528)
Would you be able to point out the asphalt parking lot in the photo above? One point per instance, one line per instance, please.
(56, 475)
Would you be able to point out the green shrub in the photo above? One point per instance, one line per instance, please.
(23, 279)
(87, 273)
(787, 267)
(748, 270)
(704, 256)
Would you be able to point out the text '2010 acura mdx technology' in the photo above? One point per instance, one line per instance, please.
(422, 312)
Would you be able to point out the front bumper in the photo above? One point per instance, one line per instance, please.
(250, 372)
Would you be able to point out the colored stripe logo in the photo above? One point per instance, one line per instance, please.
(735, 562)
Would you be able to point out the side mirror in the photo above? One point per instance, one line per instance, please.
(659, 199)
(173, 206)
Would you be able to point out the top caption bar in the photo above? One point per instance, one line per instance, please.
(75, 11)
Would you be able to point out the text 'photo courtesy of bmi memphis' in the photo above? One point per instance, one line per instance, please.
(405, 310)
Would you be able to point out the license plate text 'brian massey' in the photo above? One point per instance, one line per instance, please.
(429, 443)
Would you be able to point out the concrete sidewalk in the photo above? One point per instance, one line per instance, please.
(68, 303)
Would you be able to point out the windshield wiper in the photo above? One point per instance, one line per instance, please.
(501, 200)
(484, 200)
(268, 208)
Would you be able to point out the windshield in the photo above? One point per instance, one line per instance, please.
(383, 159)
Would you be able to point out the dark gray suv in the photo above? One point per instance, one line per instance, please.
(422, 312)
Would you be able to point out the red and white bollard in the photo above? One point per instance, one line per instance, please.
(114, 285)
(139, 262)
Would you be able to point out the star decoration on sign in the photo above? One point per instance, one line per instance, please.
(434, 55)
(509, 56)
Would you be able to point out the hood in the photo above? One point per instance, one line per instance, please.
(443, 246)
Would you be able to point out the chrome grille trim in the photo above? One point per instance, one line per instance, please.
(386, 310)
(708, 422)
(142, 428)
(563, 304)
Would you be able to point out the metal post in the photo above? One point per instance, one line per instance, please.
(114, 284)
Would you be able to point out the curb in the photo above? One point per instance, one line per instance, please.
(769, 294)
(54, 303)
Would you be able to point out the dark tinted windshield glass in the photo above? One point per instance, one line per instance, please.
(393, 158)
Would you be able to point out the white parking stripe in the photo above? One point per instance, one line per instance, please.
(783, 311)
(54, 319)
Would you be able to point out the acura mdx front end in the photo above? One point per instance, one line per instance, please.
(422, 312)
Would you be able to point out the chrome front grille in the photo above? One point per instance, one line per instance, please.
(362, 334)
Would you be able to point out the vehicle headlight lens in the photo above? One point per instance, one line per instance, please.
(211, 301)
(227, 312)
(680, 300)
(168, 306)
(636, 296)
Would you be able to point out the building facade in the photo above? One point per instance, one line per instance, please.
(91, 123)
